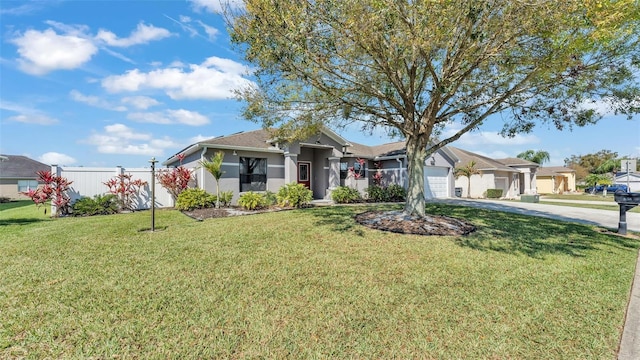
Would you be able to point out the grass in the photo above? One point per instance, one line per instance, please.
(309, 284)
(585, 197)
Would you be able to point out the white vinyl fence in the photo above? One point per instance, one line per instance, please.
(88, 182)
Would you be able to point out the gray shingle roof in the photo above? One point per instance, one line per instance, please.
(482, 162)
(553, 170)
(251, 139)
(517, 162)
(20, 167)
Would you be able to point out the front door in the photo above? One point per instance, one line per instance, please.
(304, 173)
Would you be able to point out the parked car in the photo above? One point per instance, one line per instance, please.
(610, 189)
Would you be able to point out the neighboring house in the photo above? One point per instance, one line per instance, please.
(633, 180)
(18, 174)
(513, 176)
(556, 180)
(254, 161)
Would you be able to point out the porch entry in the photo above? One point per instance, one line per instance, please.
(304, 173)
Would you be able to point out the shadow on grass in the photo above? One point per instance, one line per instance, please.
(15, 204)
(529, 235)
(20, 221)
(341, 218)
(499, 231)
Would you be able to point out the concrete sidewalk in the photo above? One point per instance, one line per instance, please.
(605, 218)
(630, 341)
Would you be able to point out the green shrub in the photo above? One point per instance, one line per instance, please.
(225, 198)
(271, 198)
(377, 193)
(4, 199)
(345, 195)
(194, 198)
(296, 195)
(396, 192)
(252, 200)
(98, 205)
(494, 193)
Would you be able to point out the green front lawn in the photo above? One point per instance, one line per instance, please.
(309, 284)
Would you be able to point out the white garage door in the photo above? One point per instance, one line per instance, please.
(436, 182)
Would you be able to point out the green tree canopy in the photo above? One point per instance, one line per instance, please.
(416, 67)
(538, 157)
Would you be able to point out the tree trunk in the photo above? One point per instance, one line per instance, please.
(469, 187)
(416, 155)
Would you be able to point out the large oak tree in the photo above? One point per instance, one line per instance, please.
(416, 67)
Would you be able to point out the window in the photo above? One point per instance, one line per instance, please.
(26, 185)
(253, 174)
(344, 170)
(356, 168)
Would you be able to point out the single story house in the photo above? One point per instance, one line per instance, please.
(19, 174)
(511, 175)
(632, 179)
(255, 161)
(556, 180)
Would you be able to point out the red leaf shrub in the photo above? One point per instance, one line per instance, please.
(55, 189)
(125, 189)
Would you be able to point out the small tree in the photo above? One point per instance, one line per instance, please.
(125, 188)
(468, 171)
(594, 180)
(214, 167)
(175, 180)
(55, 190)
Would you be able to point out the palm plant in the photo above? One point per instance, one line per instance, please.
(468, 171)
(537, 157)
(214, 167)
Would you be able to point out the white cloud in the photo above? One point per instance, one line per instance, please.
(210, 30)
(54, 158)
(140, 102)
(26, 114)
(141, 35)
(45, 51)
(39, 119)
(95, 101)
(120, 139)
(216, 78)
(216, 6)
(199, 138)
(180, 116)
(188, 117)
(474, 138)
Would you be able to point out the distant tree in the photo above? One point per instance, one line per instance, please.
(419, 68)
(538, 157)
(214, 167)
(467, 170)
(593, 163)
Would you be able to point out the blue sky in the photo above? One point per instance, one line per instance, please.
(106, 83)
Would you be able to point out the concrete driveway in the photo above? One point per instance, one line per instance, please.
(604, 218)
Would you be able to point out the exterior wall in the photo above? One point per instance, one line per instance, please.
(230, 180)
(9, 189)
(545, 185)
(562, 182)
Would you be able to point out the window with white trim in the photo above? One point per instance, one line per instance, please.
(26, 185)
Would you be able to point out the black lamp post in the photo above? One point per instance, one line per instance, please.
(153, 162)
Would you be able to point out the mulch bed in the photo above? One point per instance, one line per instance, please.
(393, 221)
(399, 222)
